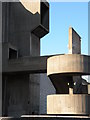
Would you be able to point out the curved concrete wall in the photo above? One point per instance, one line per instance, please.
(31, 6)
(69, 64)
(68, 104)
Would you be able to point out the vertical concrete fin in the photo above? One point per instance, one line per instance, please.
(0, 58)
(74, 42)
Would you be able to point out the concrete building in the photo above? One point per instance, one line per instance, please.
(21, 27)
(65, 72)
(24, 84)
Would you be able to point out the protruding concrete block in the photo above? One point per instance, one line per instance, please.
(42, 9)
(68, 64)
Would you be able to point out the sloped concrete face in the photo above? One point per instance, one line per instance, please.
(68, 104)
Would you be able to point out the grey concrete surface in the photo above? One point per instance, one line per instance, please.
(74, 42)
(0, 58)
(21, 33)
(76, 104)
(69, 64)
(46, 88)
(47, 117)
(27, 64)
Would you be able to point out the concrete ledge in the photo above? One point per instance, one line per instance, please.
(46, 117)
(69, 64)
(26, 64)
(77, 104)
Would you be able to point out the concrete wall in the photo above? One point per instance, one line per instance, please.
(21, 94)
(34, 93)
(21, 90)
(0, 58)
(72, 104)
(74, 42)
(46, 88)
(15, 95)
(17, 26)
(73, 64)
(34, 45)
(21, 23)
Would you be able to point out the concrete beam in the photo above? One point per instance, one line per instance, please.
(27, 64)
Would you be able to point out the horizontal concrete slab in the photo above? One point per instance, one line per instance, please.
(47, 117)
(27, 64)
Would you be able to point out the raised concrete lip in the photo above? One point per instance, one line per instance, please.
(56, 116)
(67, 95)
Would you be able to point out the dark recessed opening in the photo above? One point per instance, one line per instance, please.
(45, 15)
(12, 53)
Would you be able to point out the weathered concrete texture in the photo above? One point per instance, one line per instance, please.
(69, 64)
(21, 94)
(20, 33)
(41, 8)
(0, 58)
(74, 42)
(15, 95)
(20, 22)
(34, 93)
(46, 88)
(26, 64)
(18, 25)
(68, 104)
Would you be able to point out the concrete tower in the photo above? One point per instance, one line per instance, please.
(21, 27)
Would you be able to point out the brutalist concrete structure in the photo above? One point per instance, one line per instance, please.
(65, 71)
(20, 33)
(21, 27)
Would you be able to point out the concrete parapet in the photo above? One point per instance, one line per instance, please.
(77, 104)
(68, 64)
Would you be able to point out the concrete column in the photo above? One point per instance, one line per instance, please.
(88, 88)
(89, 33)
(70, 90)
(0, 58)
